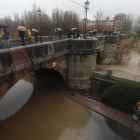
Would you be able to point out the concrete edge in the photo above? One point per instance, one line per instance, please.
(100, 113)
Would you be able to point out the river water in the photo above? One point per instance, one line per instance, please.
(35, 110)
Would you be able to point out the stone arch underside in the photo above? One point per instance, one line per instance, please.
(7, 81)
(50, 76)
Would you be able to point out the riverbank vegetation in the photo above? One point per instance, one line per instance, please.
(123, 96)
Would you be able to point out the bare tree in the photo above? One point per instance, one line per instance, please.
(64, 20)
(30, 19)
(98, 16)
(129, 22)
(137, 25)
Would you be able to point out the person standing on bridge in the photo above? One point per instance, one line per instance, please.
(1, 35)
(36, 36)
(59, 34)
(77, 34)
(74, 33)
(55, 33)
(29, 35)
(68, 33)
(6, 38)
(21, 34)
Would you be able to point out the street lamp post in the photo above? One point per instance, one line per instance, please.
(86, 8)
(39, 13)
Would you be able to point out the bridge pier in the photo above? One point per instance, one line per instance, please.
(81, 63)
(80, 68)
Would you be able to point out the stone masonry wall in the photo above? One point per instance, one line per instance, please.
(80, 68)
(113, 47)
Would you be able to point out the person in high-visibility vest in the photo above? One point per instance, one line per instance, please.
(1, 35)
(29, 35)
(138, 104)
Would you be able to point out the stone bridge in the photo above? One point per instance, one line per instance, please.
(75, 60)
(111, 48)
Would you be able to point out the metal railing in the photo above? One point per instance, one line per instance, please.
(124, 74)
(18, 42)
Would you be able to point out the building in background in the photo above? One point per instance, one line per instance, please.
(100, 25)
(119, 22)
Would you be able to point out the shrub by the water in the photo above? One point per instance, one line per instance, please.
(124, 95)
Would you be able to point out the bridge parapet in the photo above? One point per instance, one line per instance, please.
(83, 46)
(18, 42)
(36, 53)
(113, 38)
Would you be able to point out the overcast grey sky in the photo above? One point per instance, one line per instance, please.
(109, 7)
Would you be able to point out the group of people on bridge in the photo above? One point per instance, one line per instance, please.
(4, 35)
(109, 32)
(29, 35)
(74, 31)
(69, 32)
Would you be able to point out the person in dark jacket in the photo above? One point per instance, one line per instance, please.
(94, 33)
(104, 32)
(59, 34)
(68, 33)
(109, 32)
(6, 38)
(36, 36)
(77, 33)
(74, 33)
(21, 34)
(55, 33)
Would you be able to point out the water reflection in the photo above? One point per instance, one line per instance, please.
(95, 129)
(15, 98)
(126, 134)
(50, 115)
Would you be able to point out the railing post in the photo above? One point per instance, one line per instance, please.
(109, 71)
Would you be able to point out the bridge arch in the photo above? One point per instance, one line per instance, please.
(60, 71)
(50, 76)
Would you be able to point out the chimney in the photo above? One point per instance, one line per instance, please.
(107, 18)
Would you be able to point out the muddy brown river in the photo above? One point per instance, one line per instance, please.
(35, 110)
